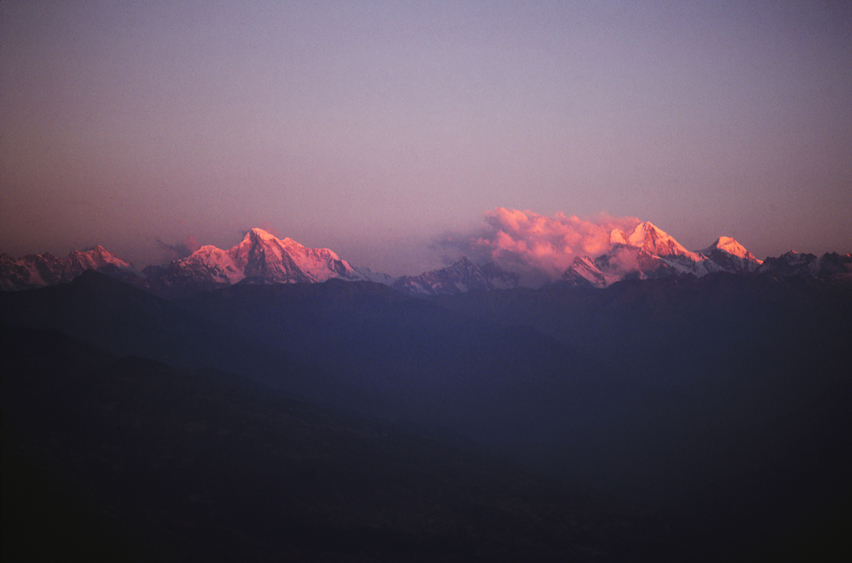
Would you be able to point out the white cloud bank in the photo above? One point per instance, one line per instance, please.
(538, 247)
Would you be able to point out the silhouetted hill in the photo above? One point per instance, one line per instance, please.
(511, 388)
(125, 320)
(742, 375)
(719, 400)
(129, 459)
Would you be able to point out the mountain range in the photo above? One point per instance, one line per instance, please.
(700, 413)
(460, 277)
(39, 270)
(646, 252)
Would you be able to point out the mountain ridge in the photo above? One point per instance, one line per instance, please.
(460, 277)
(649, 252)
(38, 270)
(646, 252)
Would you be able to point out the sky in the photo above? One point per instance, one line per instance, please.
(379, 129)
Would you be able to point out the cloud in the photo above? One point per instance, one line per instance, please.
(538, 247)
(178, 250)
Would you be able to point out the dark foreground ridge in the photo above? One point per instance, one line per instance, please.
(128, 459)
(670, 419)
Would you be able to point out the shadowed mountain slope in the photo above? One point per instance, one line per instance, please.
(722, 398)
(124, 320)
(744, 373)
(128, 459)
(511, 388)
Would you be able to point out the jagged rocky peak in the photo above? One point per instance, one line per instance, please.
(460, 277)
(827, 266)
(730, 246)
(650, 238)
(266, 259)
(499, 278)
(260, 256)
(790, 263)
(584, 273)
(376, 277)
(730, 256)
(263, 239)
(836, 267)
(95, 258)
(259, 234)
(646, 251)
(649, 252)
(463, 265)
(38, 270)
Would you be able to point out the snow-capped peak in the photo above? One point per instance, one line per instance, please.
(652, 240)
(210, 262)
(656, 241)
(584, 272)
(617, 237)
(259, 234)
(261, 257)
(730, 246)
(95, 258)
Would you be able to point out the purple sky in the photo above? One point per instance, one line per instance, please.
(371, 128)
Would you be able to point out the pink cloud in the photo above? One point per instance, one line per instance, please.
(539, 247)
(178, 250)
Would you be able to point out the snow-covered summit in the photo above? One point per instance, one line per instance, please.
(643, 252)
(649, 252)
(653, 240)
(264, 258)
(583, 272)
(731, 246)
(731, 256)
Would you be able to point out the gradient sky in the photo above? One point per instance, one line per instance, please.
(373, 127)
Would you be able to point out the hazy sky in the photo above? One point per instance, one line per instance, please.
(373, 127)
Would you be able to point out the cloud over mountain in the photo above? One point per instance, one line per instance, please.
(538, 247)
(178, 250)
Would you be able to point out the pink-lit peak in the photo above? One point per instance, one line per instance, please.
(651, 238)
(731, 246)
